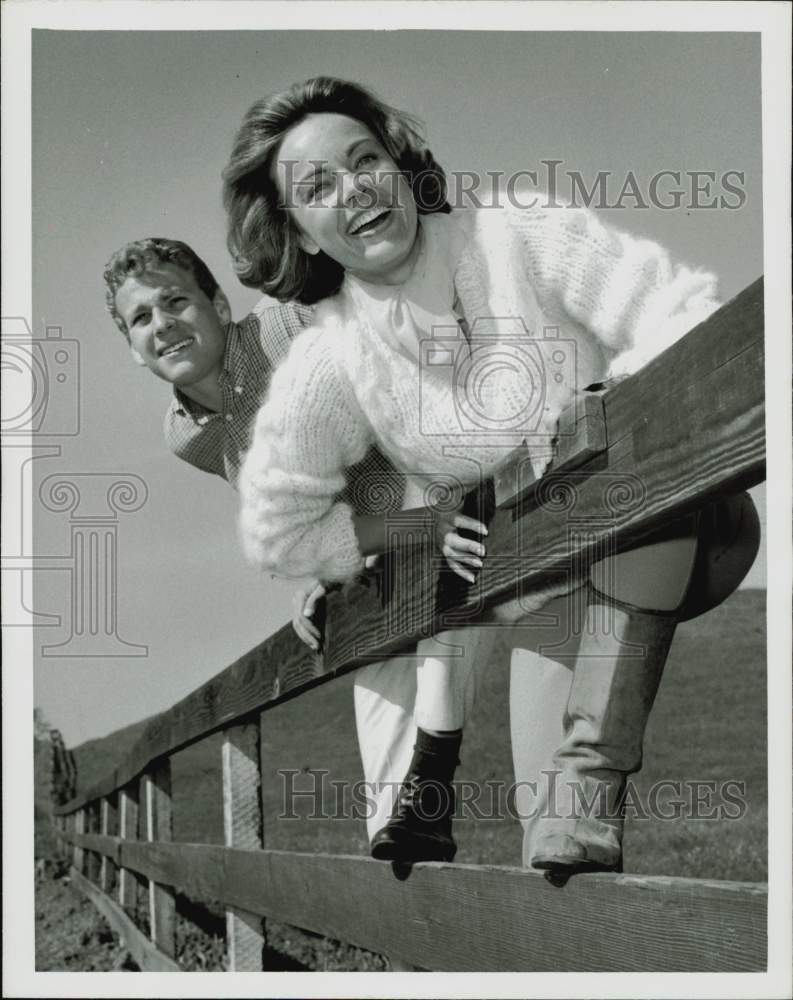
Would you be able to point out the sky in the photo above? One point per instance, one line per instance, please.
(130, 133)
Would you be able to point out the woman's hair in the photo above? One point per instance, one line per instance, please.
(262, 238)
(136, 257)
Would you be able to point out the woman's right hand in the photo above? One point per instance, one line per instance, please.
(463, 554)
(304, 605)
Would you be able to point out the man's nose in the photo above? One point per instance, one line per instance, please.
(161, 320)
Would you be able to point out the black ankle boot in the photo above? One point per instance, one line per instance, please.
(420, 827)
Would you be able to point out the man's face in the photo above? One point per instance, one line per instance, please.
(174, 328)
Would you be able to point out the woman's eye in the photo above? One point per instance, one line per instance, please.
(320, 188)
(362, 161)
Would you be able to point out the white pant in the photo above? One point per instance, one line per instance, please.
(391, 700)
(434, 688)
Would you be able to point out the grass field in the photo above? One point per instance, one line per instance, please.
(708, 725)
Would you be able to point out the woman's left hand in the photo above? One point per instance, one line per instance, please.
(304, 604)
(464, 555)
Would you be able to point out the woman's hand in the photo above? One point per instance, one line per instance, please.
(375, 535)
(304, 605)
(461, 552)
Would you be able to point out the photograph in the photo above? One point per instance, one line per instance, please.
(396, 509)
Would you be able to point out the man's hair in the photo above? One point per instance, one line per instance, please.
(262, 238)
(136, 257)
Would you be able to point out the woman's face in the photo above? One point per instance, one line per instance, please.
(348, 198)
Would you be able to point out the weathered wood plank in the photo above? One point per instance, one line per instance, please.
(79, 853)
(159, 827)
(93, 861)
(135, 941)
(280, 666)
(481, 918)
(107, 871)
(106, 847)
(685, 429)
(243, 827)
(587, 439)
(129, 810)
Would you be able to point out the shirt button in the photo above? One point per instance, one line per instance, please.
(229, 417)
(238, 389)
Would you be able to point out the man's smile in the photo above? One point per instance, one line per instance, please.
(178, 346)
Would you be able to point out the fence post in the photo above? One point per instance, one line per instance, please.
(159, 826)
(92, 858)
(129, 806)
(79, 827)
(243, 828)
(57, 823)
(107, 872)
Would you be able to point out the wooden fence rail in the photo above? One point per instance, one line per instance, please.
(511, 920)
(687, 428)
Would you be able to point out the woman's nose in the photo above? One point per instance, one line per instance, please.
(358, 187)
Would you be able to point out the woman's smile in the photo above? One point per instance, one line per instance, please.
(369, 222)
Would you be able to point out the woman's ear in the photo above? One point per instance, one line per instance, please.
(222, 307)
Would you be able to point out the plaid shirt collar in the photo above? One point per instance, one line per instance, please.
(233, 369)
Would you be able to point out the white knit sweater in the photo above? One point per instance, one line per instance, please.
(342, 387)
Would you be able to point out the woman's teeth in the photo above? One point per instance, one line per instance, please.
(368, 221)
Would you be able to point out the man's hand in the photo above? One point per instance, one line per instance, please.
(303, 607)
(461, 552)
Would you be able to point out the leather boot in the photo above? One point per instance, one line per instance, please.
(618, 668)
(420, 826)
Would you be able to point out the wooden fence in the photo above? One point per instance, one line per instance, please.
(687, 428)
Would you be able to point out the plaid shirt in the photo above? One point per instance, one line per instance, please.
(216, 442)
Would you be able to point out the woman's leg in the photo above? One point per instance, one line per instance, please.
(420, 825)
(555, 725)
(384, 696)
(630, 620)
(543, 656)
(446, 681)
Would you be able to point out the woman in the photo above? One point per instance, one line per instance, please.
(333, 198)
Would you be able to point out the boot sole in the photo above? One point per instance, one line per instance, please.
(407, 853)
(570, 866)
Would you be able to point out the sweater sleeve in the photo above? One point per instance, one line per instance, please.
(308, 431)
(626, 290)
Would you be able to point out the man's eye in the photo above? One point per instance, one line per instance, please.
(140, 318)
(178, 300)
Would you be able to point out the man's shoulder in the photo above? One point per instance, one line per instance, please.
(272, 326)
(268, 311)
